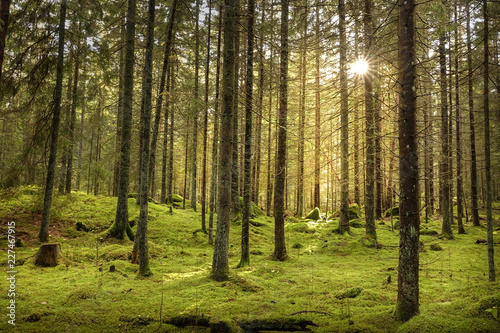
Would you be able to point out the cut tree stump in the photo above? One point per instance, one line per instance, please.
(48, 254)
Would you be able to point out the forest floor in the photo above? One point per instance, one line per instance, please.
(339, 282)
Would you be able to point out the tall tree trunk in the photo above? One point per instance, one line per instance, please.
(302, 116)
(444, 163)
(344, 122)
(119, 114)
(407, 304)
(247, 181)
(235, 195)
(72, 120)
(269, 192)
(220, 263)
(317, 116)
(121, 224)
(140, 250)
(370, 129)
(43, 235)
(458, 134)
(194, 166)
(80, 132)
(4, 24)
(279, 188)
(163, 190)
(472, 126)
(487, 152)
(170, 167)
(357, 195)
(205, 126)
(215, 143)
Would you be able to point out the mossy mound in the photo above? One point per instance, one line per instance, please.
(314, 214)
(480, 309)
(291, 219)
(349, 293)
(255, 210)
(357, 223)
(301, 227)
(354, 211)
(394, 211)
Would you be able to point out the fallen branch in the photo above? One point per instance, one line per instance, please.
(281, 325)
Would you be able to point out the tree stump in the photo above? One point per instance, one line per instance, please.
(48, 255)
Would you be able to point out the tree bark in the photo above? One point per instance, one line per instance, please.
(48, 255)
(43, 235)
(220, 263)
(194, 166)
(4, 24)
(235, 195)
(279, 188)
(317, 117)
(121, 225)
(407, 304)
(344, 122)
(487, 149)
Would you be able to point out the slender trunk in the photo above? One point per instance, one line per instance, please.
(220, 264)
(444, 165)
(407, 304)
(344, 122)
(170, 167)
(215, 143)
(302, 116)
(357, 195)
(205, 127)
(458, 134)
(194, 166)
(72, 121)
(269, 192)
(163, 191)
(317, 117)
(121, 224)
(247, 181)
(487, 152)
(279, 189)
(472, 126)
(235, 196)
(43, 235)
(370, 129)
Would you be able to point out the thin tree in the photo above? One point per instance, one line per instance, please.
(247, 181)
(472, 125)
(370, 129)
(121, 225)
(344, 122)
(279, 188)
(4, 23)
(444, 203)
(194, 166)
(43, 235)
(220, 263)
(487, 149)
(317, 114)
(407, 304)
(235, 196)
(205, 125)
(140, 251)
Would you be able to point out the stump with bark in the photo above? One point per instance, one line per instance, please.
(48, 254)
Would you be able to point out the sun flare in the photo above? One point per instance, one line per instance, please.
(360, 67)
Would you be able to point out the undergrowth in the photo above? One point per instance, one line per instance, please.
(343, 283)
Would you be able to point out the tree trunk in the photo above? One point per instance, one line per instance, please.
(472, 126)
(140, 250)
(407, 304)
(247, 181)
(235, 195)
(487, 149)
(458, 134)
(279, 188)
(170, 167)
(215, 143)
(370, 129)
(121, 225)
(48, 255)
(43, 235)
(344, 122)
(205, 126)
(220, 263)
(194, 166)
(317, 117)
(444, 203)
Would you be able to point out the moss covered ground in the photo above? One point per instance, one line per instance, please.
(340, 282)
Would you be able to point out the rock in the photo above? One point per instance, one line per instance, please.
(314, 214)
(349, 293)
(354, 211)
(393, 210)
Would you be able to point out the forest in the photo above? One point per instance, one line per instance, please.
(250, 166)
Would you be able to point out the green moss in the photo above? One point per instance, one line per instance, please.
(314, 214)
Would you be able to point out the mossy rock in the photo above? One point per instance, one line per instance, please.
(349, 293)
(255, 210)
(177, 198)
(480, 309)
(314, 214)
(291, 219)
(435, 247)
(393, 210)
(428, 232)
(354, 212)
(297, 246)
(256, 223)
(301, 227)
(357, 223)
